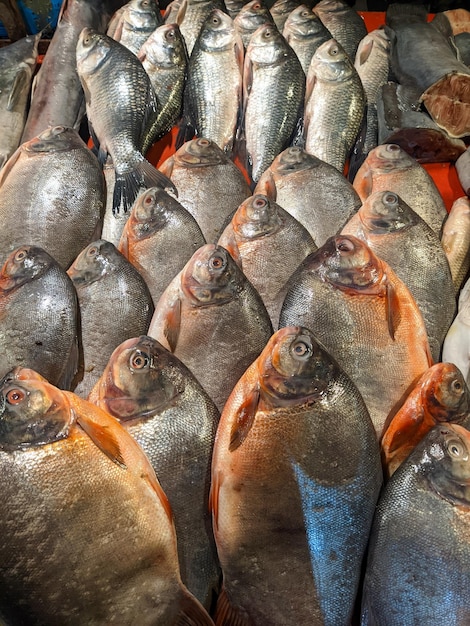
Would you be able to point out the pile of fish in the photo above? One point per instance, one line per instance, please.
(234, 388)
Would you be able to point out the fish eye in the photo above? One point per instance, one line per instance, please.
(259, 202)
(390, 198)
(171, 34)
(217, 262)
(257, 6)
(215, 20)
(93, 251)
(456, 449)
(139, 360)
(203, 142)
(344, 245)
(302, 348)
(21, 255)
(15, 396)
(87, 40)
(456, 386)
(392, 147)
(333, 51)
(305, 13)
(148, 200)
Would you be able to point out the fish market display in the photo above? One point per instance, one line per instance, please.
(210, 186)
(159, 238)
(123, 130)
(272, 73)
(109, 288)
(251, 16)
(195, 14)
(440, 395)
(344, 23)
(216, 59)
(305, 32)
(165, 409)
(17, 64)
(213, 319)
(133, 23)
(313, 191)
(455, 240)
(83, 511)
(365, 317)
(397, 235)
(295, 478)
(417, 569)
(38, 316)
(51, 195)
(268, 244)
(334, 105)
(389, 168)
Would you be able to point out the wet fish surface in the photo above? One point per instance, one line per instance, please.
(133, 23)
(344, 23)
(305, 32)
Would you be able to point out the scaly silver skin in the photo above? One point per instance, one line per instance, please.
(305, 32)
(344, 23)
(134, 23)
(194, 17)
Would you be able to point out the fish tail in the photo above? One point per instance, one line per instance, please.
(227, 615)
(192, 613)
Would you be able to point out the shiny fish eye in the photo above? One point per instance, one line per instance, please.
(139, 360)
(21, 255)
(217, 262)
(257, 6)
(457, 386)
(334, 51)
(456, 449)
(15, 396)
(259, 203)
(390, 198)
(392, 147)
(344, 245)
(148, 200)
(215, 20)
(171, 34)
(93, 251)
(305, 13)
(302, 348)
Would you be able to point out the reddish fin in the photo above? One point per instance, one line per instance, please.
(214, 498)
(402, 429)
(104, 438)
(244, 419)
(267, 186)
(167, 166)
(192, 613)
(227, 615)
(172, 326)
(392, 310)
(363, 181)
(229, 242)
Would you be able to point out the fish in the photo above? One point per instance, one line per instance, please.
(123, 131)
(335, 103)
(295, 478)
(175, 12)
(161, 404)
(216, 60)
(396, 234)
(305, 32)
(106, 284)
(272, 73)
(52, 195)
(159, 238)
(462, 167)
(113, 223)
(212, 318)
(344, 23)
(194, 16)
(58, 545)
(280, 10)
(456, 348)
(389, 168)
(38, 316)
(133, 23)
(365, 317)
(210, 186)
(251, 16)
(440, 395)
(295, 177)
(455, 240)
(268, 244)
(17, 64)
(417, 568)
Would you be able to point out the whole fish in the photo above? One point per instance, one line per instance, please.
(344, 23)
(251, 16)
(213, 319)
(281, 9)
(295, 478)
(38, 316)
(17, 64)
(456, 240)
(102, 522)
(210, 186)
(334, 105)
(440, 395)
(165, 409)
(165, 59)
(268, 244)
(295, 177)
(216, 60)
(417, 569)
(194, 17)
(397, 235)
(305, 32)
(272, 73)
(159, 238)
(389, 168)
(107, 285)
(123, 130)
(365, 317)
(52, 195)
(133, 23)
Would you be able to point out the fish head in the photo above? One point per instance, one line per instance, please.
(385, 212)
(388, 157)
(141, 14)
(446, 394)
(93, 49)
(293, 159)
(257, 217)
(266, 46)
(251, 13)
(32, 413)
(199, 152)
(96, 260)
(165, 47)
(150, 211)
(138, 380)
(23, 265)
(53, 139)
(217, 31)
(330, 63)
(302, 22)
(210, 277)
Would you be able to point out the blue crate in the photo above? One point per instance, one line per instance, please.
(37, 14)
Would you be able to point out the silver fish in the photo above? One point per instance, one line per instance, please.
(194, 16)
(305, 32)
(250, 17)
(344, 23)
(134, 23)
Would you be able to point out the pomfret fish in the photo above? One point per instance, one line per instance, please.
(38, 316)
(456, 240)
(295, 478)
(440, 395)
(417, 570)
(305, 32)
(102, 521)
(165, 409)
(366, 318)
(133, 23)
(52, 195)
(213, 319)
(251, 16)
(344, 23)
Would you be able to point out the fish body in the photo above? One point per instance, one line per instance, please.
(171, 417)
(417, 569)
(456, 240)
(70, 470)
(159, 238)
(305, 32)
(344, 23)
(133, 23)
(295, 477)
(334, 105)
(52, 194)
(251, 16)
(107, 284)
(365, 317)
(38, 316)
(295, 177)
(213, 319)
